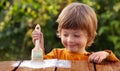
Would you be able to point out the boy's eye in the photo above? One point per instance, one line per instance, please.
(65, 35)
(77, 35)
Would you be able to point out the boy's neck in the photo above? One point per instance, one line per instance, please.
(79, 52)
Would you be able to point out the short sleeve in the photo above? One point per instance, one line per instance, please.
(51, 55)
(112, 56)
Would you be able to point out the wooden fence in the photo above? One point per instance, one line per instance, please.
(57, 65)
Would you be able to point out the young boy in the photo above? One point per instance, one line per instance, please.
(77, 25)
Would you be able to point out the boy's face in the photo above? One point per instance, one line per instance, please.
(74, 40)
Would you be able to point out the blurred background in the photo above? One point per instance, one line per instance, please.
(19, 17)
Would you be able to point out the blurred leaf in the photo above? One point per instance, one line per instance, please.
(19, 17)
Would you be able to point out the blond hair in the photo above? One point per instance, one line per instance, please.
(78, 16)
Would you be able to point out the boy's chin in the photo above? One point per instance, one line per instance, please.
(73, 50)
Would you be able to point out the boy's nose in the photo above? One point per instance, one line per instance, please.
(70, 39)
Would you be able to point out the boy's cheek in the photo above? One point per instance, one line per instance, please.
(63, 42)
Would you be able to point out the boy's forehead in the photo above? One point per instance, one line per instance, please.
(71, 31)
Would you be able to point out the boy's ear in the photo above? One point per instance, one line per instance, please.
(90, 40)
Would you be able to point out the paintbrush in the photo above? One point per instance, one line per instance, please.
(37, 52)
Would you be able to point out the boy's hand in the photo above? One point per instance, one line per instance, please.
(38, 36)
(98, 57)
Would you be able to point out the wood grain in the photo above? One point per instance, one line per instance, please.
(74, 66)
(7, 65)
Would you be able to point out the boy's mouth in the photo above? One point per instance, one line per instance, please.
(71, 46)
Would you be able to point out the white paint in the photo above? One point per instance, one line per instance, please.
(45, 63)
(16, 63)
(63, 63)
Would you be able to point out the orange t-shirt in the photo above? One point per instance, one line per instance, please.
(63, 54)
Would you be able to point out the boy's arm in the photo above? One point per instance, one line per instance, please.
(111, 56)
(100, 56)
(51, 55)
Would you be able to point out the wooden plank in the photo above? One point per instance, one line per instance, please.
(106, 66)
(63, 65)
(37, 66)
(35, 69)
(63, 69)
(115, 66)
(8, 65)
(78, 66)
(91, 66)
(58, 65)
(82, 65)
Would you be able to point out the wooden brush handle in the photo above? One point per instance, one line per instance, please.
(37, 42)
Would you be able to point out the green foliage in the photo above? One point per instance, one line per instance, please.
(108, 25)
(19, 17)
